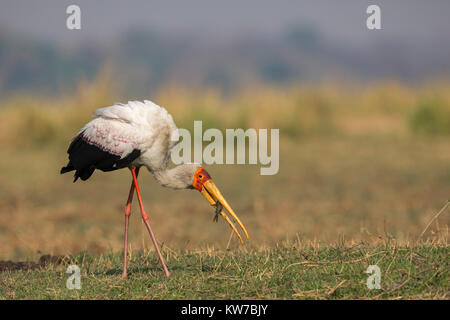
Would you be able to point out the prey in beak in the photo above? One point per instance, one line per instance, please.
(203, 183)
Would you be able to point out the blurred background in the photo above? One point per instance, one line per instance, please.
(364, 118)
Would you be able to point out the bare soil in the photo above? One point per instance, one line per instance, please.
(44, 261)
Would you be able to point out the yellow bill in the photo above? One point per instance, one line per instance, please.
(214, 197)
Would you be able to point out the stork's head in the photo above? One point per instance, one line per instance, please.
(202, 182)
(193, 176)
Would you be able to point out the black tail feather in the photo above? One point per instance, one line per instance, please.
(67, 168)
(84, 174)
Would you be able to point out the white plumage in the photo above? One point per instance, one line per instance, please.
(121, 128)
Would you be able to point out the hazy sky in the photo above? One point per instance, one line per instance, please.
(343, 20)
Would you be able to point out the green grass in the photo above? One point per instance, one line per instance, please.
(287, 271)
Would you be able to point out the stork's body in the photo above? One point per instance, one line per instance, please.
(133, 135)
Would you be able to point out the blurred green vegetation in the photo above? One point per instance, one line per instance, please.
(431, 116)
(298, 111)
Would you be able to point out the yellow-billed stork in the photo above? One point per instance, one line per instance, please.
(140, 134)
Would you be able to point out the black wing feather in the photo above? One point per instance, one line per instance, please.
(85, 157)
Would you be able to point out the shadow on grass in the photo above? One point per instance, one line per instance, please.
(156, 269)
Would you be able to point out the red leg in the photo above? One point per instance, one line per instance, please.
(147, 224)
(127, 215)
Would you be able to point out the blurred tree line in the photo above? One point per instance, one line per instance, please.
(144, 60)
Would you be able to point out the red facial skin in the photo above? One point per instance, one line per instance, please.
(200, 177)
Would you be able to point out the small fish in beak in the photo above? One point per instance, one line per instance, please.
(219, 208)
(203, 183)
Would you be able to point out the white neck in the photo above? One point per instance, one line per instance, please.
(177, 178)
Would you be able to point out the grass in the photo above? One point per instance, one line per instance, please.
(285, 271)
